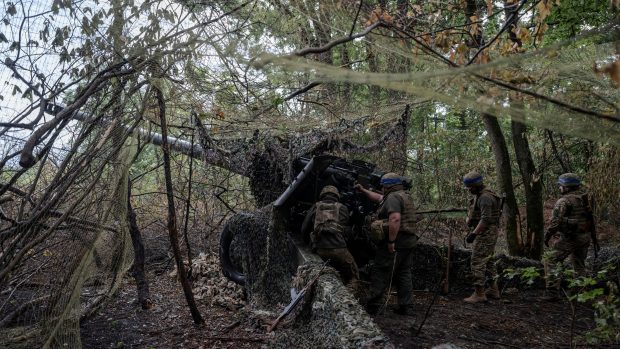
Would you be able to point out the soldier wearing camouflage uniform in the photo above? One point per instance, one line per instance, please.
(328, 219)
(572, 221)
(394, 259)
(483, 215)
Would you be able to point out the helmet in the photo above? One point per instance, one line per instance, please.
(569, 180)
(330, 189)
(391, 178)
(472, 179)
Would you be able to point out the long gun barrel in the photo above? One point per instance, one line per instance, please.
(176, 144)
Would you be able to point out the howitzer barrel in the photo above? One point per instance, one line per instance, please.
(176, 144)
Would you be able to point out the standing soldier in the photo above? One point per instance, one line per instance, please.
(483, 215)
(329, 220)
(572, 218)
(394, 258)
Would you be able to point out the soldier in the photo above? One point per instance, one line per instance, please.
(394, 258)
(483, 215)
(572, 219)
(328, 219)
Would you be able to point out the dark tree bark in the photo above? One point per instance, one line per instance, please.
(172, 220)
(533, 244)
(504, 177)
(142, 283)
(557, 154)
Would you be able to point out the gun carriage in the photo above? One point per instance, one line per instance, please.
(310, 176)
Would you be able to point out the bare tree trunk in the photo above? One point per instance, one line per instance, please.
(533, 191)
(557, 154)
(504, 177)
(142, 283)
(172, 220)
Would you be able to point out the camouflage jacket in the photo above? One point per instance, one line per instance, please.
(570, 214)
(484, 207)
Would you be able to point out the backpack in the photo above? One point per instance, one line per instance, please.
(327, 219)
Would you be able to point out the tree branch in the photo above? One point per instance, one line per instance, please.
(329, 45)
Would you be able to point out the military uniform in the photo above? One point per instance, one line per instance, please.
(329, 219)
(395, 267)
(485, 207)
(569, 218)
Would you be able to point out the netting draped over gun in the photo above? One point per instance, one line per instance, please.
(296, 298)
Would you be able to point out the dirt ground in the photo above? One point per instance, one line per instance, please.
(168, 324)
(519, 320)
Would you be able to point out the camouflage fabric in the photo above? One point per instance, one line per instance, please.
(576, 247)
(378, 230)
(569, 218)
(330, 223)
(569, 215)
(329, 189)
(472, 178)
(327, 218)
(341, 260)
(401, 263)
(485, 206)
(569, 180)
(483, 256)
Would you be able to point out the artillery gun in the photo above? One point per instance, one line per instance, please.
(312, 174)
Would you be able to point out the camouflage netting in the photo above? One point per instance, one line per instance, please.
(64, 241)
(65, 254)
(213, 287)
(328, 316)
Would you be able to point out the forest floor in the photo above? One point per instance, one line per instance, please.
(122, 323)
(518, 320)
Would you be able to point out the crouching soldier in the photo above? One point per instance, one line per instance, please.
(329, 220)
(483, 216)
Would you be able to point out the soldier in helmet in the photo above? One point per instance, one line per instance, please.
(572, 221)
(329, 219)
(394, 258)
(483, 216)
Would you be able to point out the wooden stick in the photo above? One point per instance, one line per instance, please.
(446, 280)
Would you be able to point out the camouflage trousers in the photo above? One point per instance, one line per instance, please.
(341, 260)
(395, 268)
(576, 247)
(483, 257)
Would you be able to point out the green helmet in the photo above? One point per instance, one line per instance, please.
(569, 180)
(472, 179)
(329, 189)
(391, 178)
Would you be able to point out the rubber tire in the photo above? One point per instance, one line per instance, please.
(228, 268)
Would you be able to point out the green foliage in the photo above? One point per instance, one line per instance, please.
(571, 17)
(604, 297)
(529, 274)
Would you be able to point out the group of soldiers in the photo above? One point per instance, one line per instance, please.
(393, 229)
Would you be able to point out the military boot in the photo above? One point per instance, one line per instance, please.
(493, 291)
(477, 297)
(406, 310)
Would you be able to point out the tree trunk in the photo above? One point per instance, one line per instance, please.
(142, 283)
(504, 177)
(533, 192)
(172, 220)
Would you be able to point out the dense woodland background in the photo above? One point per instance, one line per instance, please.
(520, 90)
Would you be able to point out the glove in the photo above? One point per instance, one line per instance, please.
(470, 238)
